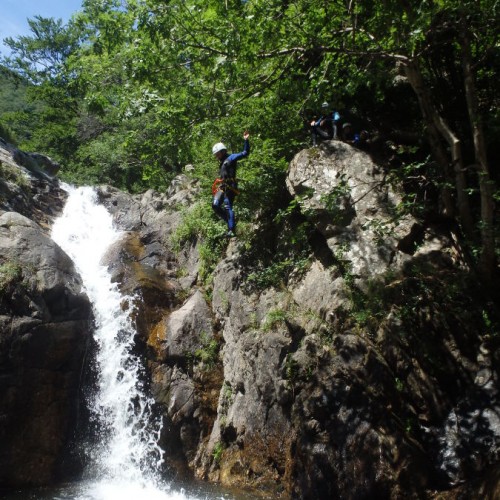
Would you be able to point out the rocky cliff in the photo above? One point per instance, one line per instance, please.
(44, 327)
(367, 371)
(344, 350)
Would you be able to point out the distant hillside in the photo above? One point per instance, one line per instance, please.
(14, 103)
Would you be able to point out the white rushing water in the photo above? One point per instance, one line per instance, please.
(126, 462)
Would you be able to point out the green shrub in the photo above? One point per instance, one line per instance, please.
(274, 318)
(217, 452)
(14, 175)
(200, 224)
(287, 251)
(10, 275)
(208, 353)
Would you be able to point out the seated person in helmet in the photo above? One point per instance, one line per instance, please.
(227, 188)
(325, 127)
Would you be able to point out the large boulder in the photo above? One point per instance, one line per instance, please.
(350, 201)
(37, 164)
(187, 329)
(45, 320)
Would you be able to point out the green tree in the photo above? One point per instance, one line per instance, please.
(151, 85)
(245, 50)
(413, 39)
(40, 59)
(40, 56)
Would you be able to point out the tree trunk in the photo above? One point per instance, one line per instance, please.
(487, 261)
(437, 128)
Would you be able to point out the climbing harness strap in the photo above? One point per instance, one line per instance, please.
(216, 185)
(223, 184)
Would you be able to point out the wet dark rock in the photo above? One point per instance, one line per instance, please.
(44, 333)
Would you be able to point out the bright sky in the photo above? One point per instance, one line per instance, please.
(14, 15)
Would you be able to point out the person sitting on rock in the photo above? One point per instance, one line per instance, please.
(360, 140)
(225, 188)
(348, 134)
(325, 127)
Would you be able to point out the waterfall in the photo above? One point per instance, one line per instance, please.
(126, 462)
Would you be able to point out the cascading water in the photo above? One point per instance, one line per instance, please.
(126, 461)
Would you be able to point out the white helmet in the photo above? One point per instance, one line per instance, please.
(325, 105)
(218, 147)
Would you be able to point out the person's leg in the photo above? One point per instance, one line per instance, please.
(319, 134)
(314, 136)
(228, 202)
(218, 205)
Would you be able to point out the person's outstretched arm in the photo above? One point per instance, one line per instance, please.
(246, 149)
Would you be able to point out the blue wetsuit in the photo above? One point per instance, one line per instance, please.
(222, 202)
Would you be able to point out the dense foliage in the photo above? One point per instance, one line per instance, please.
(131, 91)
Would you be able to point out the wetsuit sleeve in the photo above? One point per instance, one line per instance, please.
(326, 118)
(243, 154)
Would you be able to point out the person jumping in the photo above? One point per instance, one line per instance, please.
(225, 188)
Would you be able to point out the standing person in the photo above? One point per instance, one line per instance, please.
(225, 188)
(325, 127)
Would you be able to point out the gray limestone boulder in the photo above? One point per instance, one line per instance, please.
(347, 196)
(187, 329)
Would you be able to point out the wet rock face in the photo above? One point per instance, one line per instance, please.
(44, 330)
(143, 262)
